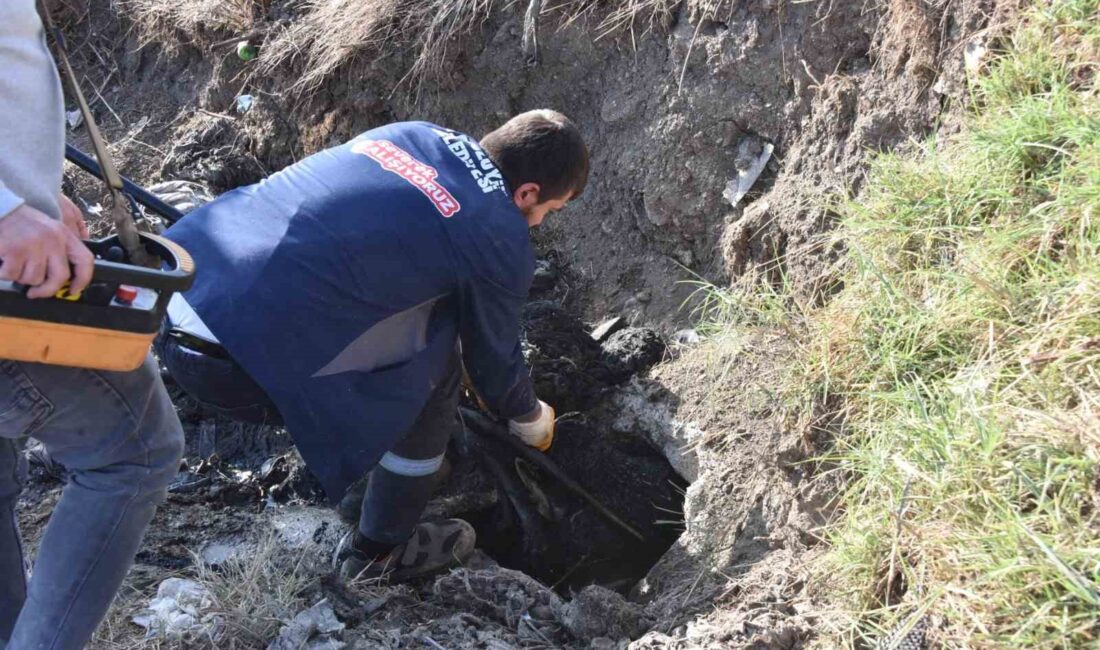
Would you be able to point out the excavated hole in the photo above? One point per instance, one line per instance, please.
(526, 517)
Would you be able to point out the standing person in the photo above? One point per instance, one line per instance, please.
(334, 294)
(117, 433)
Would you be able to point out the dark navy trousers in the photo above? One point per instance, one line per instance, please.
(400, 485)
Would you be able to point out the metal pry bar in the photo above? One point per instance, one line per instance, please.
(481, 424)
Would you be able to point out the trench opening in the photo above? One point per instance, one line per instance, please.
(530, 518)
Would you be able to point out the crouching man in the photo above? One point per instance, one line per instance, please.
(342, 295)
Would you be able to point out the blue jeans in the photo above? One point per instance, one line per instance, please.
(119, 437)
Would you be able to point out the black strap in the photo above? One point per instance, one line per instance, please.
(122, 208)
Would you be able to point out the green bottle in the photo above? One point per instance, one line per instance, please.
(246, 51)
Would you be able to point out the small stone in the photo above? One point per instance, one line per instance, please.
(607, 328)
(750, 159)
(244, 103)
(597, 612)
(655, 212)
(686, 337)
(644, 296)
(634, 349)
(310, 629)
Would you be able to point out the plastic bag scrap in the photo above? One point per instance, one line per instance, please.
(311, 629)
(177, 612)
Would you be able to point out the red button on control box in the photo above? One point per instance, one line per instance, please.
(126, 294)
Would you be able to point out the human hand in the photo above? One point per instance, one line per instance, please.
(73, 217)
(36, 250)
(536, 429)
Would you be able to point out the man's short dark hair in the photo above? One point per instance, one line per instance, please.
(543, 147)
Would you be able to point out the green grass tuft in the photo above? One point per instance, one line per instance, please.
(965, 350)
(962, 360)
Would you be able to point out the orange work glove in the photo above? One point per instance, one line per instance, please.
(538, 433)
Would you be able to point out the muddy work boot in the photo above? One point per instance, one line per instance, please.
(352, 503)
(434, 547)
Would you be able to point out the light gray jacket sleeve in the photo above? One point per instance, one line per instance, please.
(9, 200)
(32, 126)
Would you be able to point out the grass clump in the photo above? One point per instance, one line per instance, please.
(256, 594)
(162, 21)
(251, 597)
(330, 33)
(751, 302)
(964, 349)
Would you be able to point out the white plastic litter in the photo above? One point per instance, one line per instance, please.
(311, 629)
(178, 612)
(244, 103)
(74, 118)
(975, 55)
(686, 337)
(737, 188)
(184, 196)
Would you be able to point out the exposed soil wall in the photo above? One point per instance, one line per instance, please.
(671, 112)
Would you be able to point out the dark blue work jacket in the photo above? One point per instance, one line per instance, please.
(341, 284)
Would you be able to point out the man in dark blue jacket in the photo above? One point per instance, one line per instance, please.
(336, 295)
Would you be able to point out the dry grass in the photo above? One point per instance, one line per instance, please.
(625, 16)
(253, 597)
(257, 594)
(634, 17)
(326, 35)
(169, 21)
(331, 33)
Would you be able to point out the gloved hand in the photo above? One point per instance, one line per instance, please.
(537, 433)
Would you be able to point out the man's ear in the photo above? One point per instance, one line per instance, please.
(526, 195)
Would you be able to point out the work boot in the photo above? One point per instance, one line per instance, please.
(352, 504)
(434, 547)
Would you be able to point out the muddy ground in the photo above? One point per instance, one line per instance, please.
(675, 108)
(243, 487)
